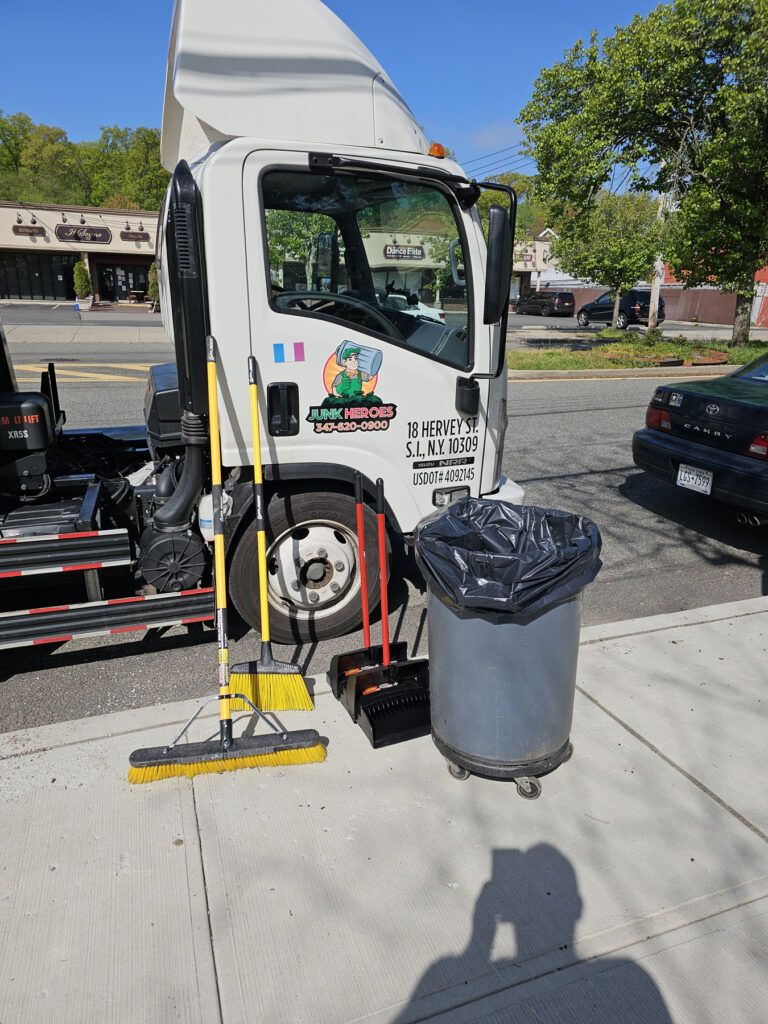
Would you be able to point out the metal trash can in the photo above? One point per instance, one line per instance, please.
(504, 592)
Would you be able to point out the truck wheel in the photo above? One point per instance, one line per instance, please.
(313, 576)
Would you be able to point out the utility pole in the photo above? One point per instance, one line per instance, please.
(658, 273)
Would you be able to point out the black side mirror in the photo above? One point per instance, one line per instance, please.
(498, 271)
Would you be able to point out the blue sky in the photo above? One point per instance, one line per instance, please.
(464, 68)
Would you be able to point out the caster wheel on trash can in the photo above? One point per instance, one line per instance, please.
(528, 788)
(568, 754)
(457, 771)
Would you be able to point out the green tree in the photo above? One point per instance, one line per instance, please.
(145, 179)
(292, 235)
(153, 288)
(14, 132)
(674, 103)
(615, 243)
(439, 251)
(51, 168)
(521, 183)
(120, 169)
(105, 160)
(82, 280)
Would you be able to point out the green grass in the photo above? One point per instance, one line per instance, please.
(611, 349)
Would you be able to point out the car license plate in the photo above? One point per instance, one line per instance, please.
(694, 479)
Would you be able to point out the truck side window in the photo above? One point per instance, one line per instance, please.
(370, 251)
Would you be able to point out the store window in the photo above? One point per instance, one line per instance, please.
(37, 276)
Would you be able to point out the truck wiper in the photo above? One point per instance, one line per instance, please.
(467, 192)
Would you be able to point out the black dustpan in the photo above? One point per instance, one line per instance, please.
(350, 663)
(389, 700)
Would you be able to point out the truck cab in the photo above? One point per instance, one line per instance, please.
(303, 195)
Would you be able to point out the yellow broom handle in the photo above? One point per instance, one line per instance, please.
(218, 536)
(259, 499)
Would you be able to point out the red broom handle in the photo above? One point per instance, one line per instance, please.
(383, 571)
(361, 557)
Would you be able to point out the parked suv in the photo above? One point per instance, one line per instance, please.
(547, 303)
(633, 309)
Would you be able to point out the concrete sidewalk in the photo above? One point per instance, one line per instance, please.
(91, 332)
(375, 887)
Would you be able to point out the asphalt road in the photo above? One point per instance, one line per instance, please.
(568, 444)
(664, 549)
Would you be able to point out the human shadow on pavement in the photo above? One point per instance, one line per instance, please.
(537, 893)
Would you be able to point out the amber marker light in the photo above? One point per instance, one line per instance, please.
(437, 150)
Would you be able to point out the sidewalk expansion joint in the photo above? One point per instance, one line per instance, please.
(207, 902)
(678, 768)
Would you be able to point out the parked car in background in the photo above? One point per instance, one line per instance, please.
(633, 309)
(711, 436)
(546, 303)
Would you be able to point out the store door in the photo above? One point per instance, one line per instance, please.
(122, 282)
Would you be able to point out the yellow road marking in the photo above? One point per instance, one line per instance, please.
(110, 366)
(83, 375)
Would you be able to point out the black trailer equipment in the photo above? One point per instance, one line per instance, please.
(112, 511)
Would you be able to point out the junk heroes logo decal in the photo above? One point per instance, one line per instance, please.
(350, 377)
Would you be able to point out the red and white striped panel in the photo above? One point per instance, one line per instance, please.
(45, 569)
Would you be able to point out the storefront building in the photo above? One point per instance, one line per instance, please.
(40, 244)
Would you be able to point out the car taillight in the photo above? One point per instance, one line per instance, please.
(758, 449)
(658, 419)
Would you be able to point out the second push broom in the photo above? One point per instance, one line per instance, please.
(227, 753)
(269, 684)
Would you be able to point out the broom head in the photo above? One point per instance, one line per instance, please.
(265, 751)
(269, 684)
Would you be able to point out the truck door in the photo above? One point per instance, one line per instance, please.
(361, 324)
(360, 328)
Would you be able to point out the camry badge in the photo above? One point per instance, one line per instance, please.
(712, 409)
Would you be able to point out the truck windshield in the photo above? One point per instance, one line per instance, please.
(370, 251)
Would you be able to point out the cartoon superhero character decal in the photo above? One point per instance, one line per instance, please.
(350, 376)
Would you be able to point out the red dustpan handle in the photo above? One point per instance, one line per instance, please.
(361, 558)
(383, 571)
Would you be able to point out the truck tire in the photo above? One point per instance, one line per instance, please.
(313, 576)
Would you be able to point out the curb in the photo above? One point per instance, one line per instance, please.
(607, 631)
(172, 714)
(712, 370)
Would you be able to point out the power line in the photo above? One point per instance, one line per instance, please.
(503, 167)
(482, 159)
(507, 165)
(505, 161)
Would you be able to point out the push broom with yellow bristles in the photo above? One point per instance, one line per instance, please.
(227, 753)
(269, 684)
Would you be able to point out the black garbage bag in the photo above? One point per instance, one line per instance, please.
(498, 557)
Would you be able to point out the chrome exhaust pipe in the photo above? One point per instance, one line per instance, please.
(751, 519)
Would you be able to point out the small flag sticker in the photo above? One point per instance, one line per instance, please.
(289, 352)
